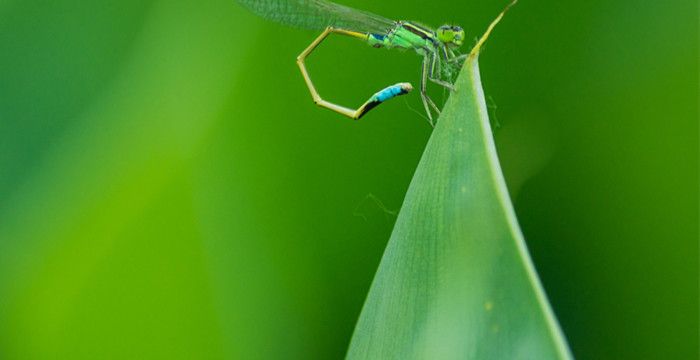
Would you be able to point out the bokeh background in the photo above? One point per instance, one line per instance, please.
(168, 190)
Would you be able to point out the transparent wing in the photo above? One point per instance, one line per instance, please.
(317, 15)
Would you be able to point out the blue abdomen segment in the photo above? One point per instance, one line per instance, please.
(392, 92)
(383, 95)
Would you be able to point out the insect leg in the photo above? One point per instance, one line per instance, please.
(433, 78)
(433, 61)
(423, 84)
(428, 64)
(457, 59)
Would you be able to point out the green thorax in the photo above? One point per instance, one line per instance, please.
(406, 35)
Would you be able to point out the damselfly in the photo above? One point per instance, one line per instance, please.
(438, 48)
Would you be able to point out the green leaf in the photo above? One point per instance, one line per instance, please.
(456, 281)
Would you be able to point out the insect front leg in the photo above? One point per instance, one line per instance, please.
(459, 59)
(431, 75)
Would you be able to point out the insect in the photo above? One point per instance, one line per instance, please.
(438, 48)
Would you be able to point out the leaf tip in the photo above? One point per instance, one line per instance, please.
(477, 48)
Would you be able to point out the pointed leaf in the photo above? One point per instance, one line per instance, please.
(456, 281)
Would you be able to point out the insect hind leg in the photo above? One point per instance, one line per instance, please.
(428, 103)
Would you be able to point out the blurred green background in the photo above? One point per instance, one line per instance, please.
(168, 189)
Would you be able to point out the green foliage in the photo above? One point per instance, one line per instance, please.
(168, 189)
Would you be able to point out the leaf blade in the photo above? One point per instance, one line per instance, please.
(456, 280)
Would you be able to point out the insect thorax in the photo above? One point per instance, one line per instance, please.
(405, 35)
